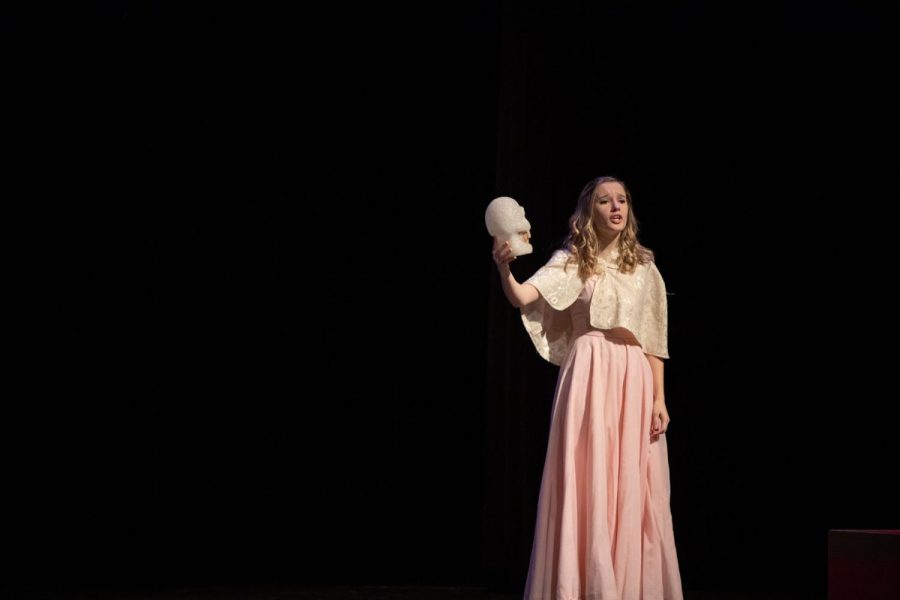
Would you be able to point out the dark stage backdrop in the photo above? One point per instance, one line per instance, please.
(266, 340)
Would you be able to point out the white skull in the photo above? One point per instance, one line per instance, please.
(506, 221)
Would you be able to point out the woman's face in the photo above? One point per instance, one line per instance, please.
(610, 208)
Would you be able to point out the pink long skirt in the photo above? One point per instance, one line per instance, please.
(604, 526)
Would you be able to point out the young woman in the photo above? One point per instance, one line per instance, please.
(598, 310)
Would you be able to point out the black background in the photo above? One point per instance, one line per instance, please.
(265, 340)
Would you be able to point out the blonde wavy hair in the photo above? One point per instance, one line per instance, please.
(583, 243)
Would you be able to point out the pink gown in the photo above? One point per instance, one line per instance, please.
(604, 526)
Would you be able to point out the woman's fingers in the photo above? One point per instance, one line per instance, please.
(659, 424)
(664, 425)
(503, 254)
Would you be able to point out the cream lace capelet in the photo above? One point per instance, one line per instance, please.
(635, 301)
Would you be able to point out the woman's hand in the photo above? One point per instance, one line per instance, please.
(518, 294)
(503, 256)
(660, 421)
